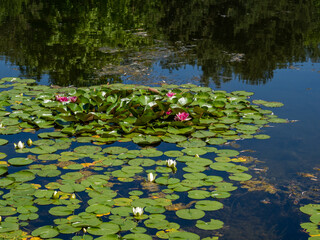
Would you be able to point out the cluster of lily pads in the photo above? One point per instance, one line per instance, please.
(92, 189)
(312, 227)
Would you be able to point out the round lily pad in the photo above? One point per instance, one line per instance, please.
(104, 228)
(212, 225)
(198, 194)
(45, 232)
(3, 141)
(20, 161)
(183, 236)
(240, 177)
(190, 214)
(208, 205)
(137, 236)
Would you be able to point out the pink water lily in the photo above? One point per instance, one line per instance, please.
(182, 116)
(66, 99)
(169, 112)
(170, 94)
(73, 99)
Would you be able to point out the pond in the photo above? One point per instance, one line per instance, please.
(235, 48)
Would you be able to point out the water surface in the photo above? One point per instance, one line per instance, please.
(268, 47)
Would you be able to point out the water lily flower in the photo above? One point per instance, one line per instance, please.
(170, 94)
(20, 145)
(169, 112)
(1, 125)
(73, 196)
(171, 163)
(151, 177)
(62, 99)
(182, 116)
(73, 99)
(55, 195)
(138, 211)
(66, 99)
(29, 142)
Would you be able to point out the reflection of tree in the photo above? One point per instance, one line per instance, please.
(246, 39)
(62, 38)
(269, 34)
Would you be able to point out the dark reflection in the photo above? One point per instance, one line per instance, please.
(92, 42)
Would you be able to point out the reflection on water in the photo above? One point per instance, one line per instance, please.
(212, 43)
(84, 44)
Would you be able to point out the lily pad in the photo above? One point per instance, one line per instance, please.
(212, 225)
(45, 232)
(190, 214)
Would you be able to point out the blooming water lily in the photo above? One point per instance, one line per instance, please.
(20, 145)
(170, 94)
(151, 177)
(182, 116)
(171, 163)
(66, 99)
(138, 211)
(55, 195)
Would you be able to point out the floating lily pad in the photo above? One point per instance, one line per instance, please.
(240, 177)
(212, 225)
(103, 228)
(45, 232)
(137, 236)
(198, 194)
(207, 205)
(60, 211)
(190, 214)
(88, 149)
(3, 141)
(173, 138)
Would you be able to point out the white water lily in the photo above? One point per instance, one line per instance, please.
(171, 163)
(138, 211)
(20, 145)
(151, 177)
(55, 195)
(1, 125)
(73, 196)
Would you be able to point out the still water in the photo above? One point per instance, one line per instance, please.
(268, 47)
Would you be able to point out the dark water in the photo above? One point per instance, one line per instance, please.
(267, 47)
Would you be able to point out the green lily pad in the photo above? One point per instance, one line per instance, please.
(173, 138)
(23, 176)
(3, 141)
(115, 150)
(208, 205)
(240, 177)
(2, 155)
(137, 236)
(103, 228)
(198, 194)
(190, 214)
(7, 211)
(45, 232)
(146, 140)
(20, 161)
(60, 211)
(212, 225)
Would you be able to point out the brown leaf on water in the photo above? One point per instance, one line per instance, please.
(308, 175)
(178, 206)
(259, 185)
